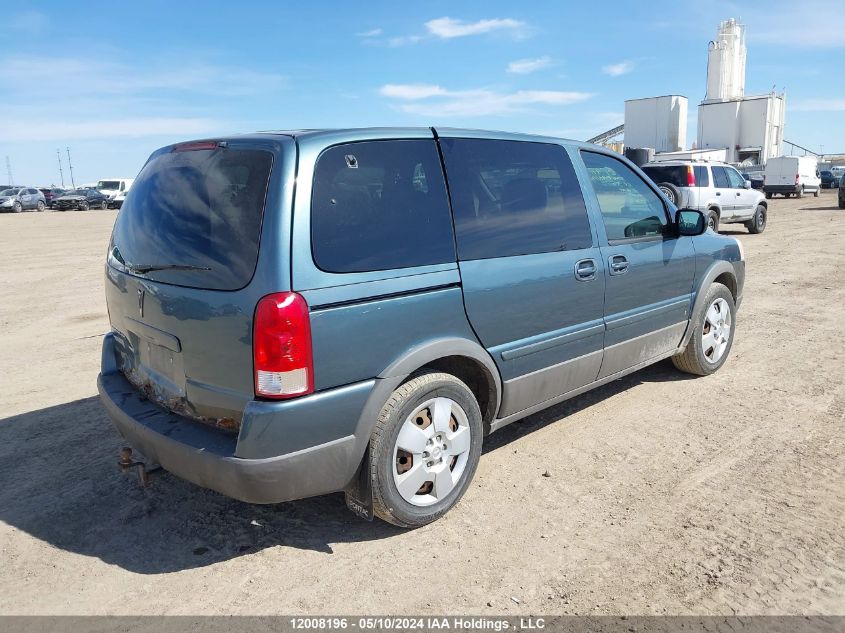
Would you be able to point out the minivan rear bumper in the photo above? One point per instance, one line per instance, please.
(206, 456)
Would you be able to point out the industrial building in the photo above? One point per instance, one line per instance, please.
(749, 129)
(732, 127)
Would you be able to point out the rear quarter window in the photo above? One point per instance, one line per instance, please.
(380, 205)
(673, 174)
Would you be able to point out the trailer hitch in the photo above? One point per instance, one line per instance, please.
(126, 464)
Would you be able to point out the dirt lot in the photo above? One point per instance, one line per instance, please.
(667, 494)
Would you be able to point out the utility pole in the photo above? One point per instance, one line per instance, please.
(70, 166)
(61, 173)
(9, 171)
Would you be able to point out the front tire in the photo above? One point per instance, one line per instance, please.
(757, 223)
(818, 190)
(83, 206)
(17, 207)
(104, 205)
(713, 335)
(40, 206)
(424, 449)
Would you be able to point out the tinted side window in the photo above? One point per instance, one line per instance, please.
(737, 181)
(32, 191)
(673, 174)
(702, 178)
(629, 207)
(379, 205)
(721, 178)
(514, 198)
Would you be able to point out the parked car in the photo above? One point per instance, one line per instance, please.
(841, 196)
(716, 189)
(792, 176)
(17, 199)
(81, 199)
(755, 178)
(114, 186)
(50, 194)
(365, 335)
(829, 180)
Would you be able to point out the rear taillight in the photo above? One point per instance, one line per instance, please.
(281, 343)
(690, 176)
(797, 177)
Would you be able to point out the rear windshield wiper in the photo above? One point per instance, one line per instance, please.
(147, 268)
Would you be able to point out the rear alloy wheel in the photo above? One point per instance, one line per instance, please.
(83, 206)
(40, 205)
(757, 223)
(712, 337)
(670, 191)
(424, 449)
(713, 221)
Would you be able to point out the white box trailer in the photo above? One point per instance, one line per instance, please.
(792, 175)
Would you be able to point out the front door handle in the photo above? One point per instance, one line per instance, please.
(618, 264)
(585, 270)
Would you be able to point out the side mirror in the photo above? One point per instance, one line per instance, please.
(690, 222)
(747, 184)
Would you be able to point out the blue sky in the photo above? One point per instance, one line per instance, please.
(115, 80)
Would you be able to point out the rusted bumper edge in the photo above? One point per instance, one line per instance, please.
(206, 456)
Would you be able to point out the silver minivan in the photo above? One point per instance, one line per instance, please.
(716, 189)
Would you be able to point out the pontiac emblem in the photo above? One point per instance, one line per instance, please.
(141, 294)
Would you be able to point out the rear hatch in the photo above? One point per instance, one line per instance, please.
(681, 177)
(182, 255)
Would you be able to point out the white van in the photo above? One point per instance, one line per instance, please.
(111, 187)
(792, 175)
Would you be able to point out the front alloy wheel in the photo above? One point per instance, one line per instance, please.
(712, 338)
(716, 332)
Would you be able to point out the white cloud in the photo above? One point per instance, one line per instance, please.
(43, 130)
(370, 33)
(448, 28)
(614, 70)
(412, 91)
(819, 105)
(404, 39)
(432, 100)
(75, 74)
(525, 66)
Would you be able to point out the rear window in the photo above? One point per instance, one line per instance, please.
(108, 184)
(198, 215)
(673, 174)
(379, 205)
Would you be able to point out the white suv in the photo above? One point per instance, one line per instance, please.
(716, 189)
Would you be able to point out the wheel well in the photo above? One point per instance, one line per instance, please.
(716, 210)
(476, 377)
(727, 279)
(763, 204)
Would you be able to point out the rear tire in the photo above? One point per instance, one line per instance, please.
(818, 190)
(40, 206)
(757, 223)
(768, 196)
(713, 220)
(713, 335)
(800, 193)
(104, 205)
(841, 203)
(670, 191)
(430, 428)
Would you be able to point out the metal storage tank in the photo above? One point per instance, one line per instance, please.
(658, 122)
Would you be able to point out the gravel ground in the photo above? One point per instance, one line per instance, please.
(667, 494)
